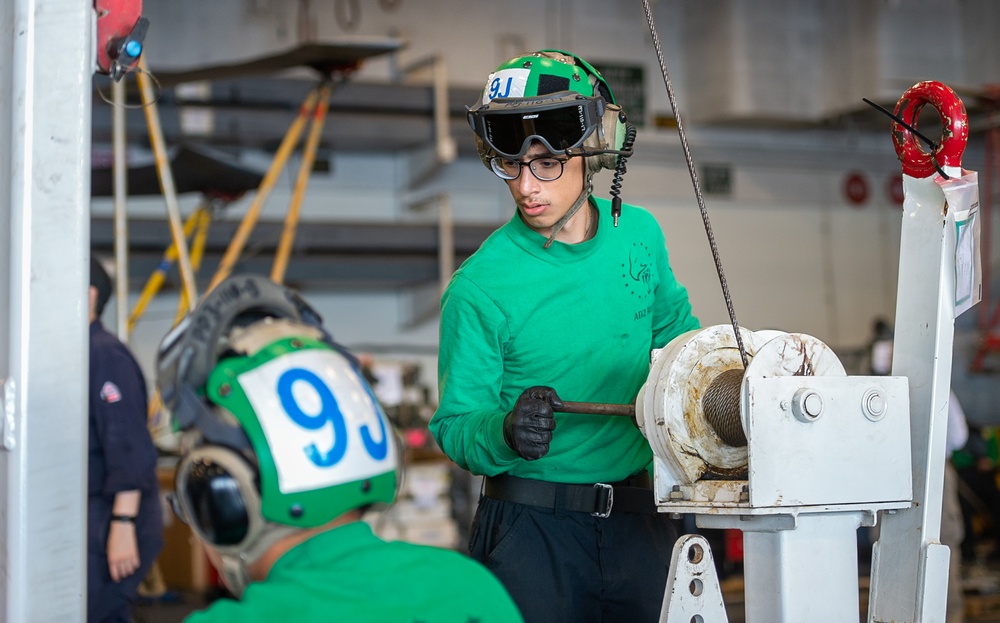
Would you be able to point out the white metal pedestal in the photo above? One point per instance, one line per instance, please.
(792, 567)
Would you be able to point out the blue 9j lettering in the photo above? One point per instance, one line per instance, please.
(329, 412)
(377, 449)
(495, 88)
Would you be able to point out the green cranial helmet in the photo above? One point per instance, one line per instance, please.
(289, 435)
(322, 442)
(552, 97)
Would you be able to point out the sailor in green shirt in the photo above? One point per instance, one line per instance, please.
(286, 448)
(563, 302)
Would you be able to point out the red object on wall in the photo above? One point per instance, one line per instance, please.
(856, 188)
(115, 20)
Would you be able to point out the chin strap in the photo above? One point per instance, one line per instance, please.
(587, 190)
(235, 567)
(234, 575)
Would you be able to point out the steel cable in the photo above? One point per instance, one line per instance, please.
(694, 180)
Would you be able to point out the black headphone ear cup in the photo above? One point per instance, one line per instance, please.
(218, 492)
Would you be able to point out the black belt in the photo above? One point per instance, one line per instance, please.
(628, 496)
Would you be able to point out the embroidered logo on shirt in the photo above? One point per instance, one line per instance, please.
(110, 392)
(638, 275)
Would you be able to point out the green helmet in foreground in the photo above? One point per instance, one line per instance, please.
(287, 434)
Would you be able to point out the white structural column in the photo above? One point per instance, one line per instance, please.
(910, 565)
(805, 574)
(121, 221)
(46, 61)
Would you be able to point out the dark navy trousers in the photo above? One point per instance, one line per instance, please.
(573, 567)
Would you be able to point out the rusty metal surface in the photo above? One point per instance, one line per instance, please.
(596, 408)
(796, 354)
(669, 407)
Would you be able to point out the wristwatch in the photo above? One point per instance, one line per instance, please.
(124, 518)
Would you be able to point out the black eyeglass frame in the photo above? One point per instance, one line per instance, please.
(496, 163)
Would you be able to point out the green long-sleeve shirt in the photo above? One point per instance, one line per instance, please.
(581, 318)
(348, 574)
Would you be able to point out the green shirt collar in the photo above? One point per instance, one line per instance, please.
(533, 242)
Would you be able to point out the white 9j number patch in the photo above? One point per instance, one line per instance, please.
(505, 83)
(321, 422)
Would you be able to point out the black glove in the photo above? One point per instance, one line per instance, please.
(527, 429)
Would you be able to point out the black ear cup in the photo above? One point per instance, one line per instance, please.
(216, 504)
(218, 495)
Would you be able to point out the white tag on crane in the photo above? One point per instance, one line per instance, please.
(962, 195)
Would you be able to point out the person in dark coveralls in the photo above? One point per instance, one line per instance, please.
(124, 520)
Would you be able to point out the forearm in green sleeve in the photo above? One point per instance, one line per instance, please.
(468, 424)
(474, 441)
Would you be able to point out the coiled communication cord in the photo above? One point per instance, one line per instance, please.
(616, 183)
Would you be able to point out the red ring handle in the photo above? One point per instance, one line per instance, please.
(917, 162)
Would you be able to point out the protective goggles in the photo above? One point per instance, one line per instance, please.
(216, 494)
(559, 122)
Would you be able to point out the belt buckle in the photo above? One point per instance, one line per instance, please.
(610, 497)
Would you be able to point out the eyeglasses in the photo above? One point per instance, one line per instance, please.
(560, 122)
(545, 168)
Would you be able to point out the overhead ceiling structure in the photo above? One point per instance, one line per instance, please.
(254, 112)
(741, 68)
(813, 65)
(325, 58)
(333, 256)
(251, 109)
(248, 104)
(194, 168)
